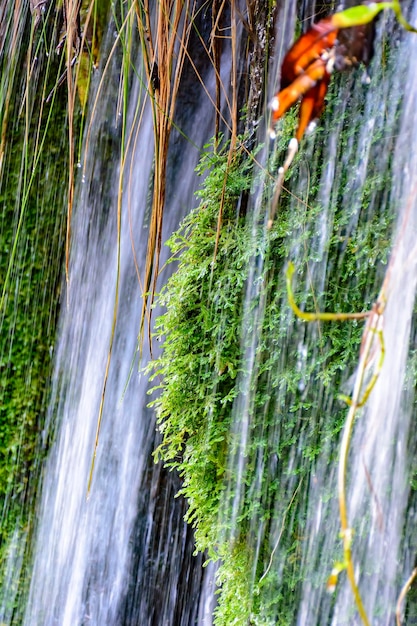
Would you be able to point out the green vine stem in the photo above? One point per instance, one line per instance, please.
(372, 342)
(396, 7)
(372, 334)
(317, 316)
(373, 331)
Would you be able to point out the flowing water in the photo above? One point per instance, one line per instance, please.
(381, 509)
(125, 555)
(381, 461)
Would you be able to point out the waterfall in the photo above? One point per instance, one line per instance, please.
(371, 130)
(381, 461)
(104, 559)
(346, 219)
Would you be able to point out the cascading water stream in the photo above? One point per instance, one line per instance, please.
(75, 574)
(125, 555)
(381, 458)
(381, 461)
(83, 549)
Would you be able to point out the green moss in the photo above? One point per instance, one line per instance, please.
(201, 349)
(32, 241)
(290, 386)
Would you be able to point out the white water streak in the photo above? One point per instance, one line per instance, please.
(378, 467)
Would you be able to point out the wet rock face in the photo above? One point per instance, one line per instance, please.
(260, 40)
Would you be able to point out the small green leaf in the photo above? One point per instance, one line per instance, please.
(359, 15)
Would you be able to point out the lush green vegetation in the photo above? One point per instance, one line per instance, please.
(216, 383)
(27, 338)
(239, 378)
(33, 187)
(34, 170)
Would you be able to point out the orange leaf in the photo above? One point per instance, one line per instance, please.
(298, 88)
(309, 47)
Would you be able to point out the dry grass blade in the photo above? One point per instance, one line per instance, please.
(9, 21)
(402, 595)
(164, 47)
(217, 12)
(233, 138)
(73, 43)
(126, 29)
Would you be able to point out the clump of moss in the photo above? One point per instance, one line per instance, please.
(289, 388)
(32, 230)
(201, 357)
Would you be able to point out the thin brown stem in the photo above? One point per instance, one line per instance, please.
(402, 595)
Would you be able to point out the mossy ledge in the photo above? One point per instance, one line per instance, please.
(291, 383)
